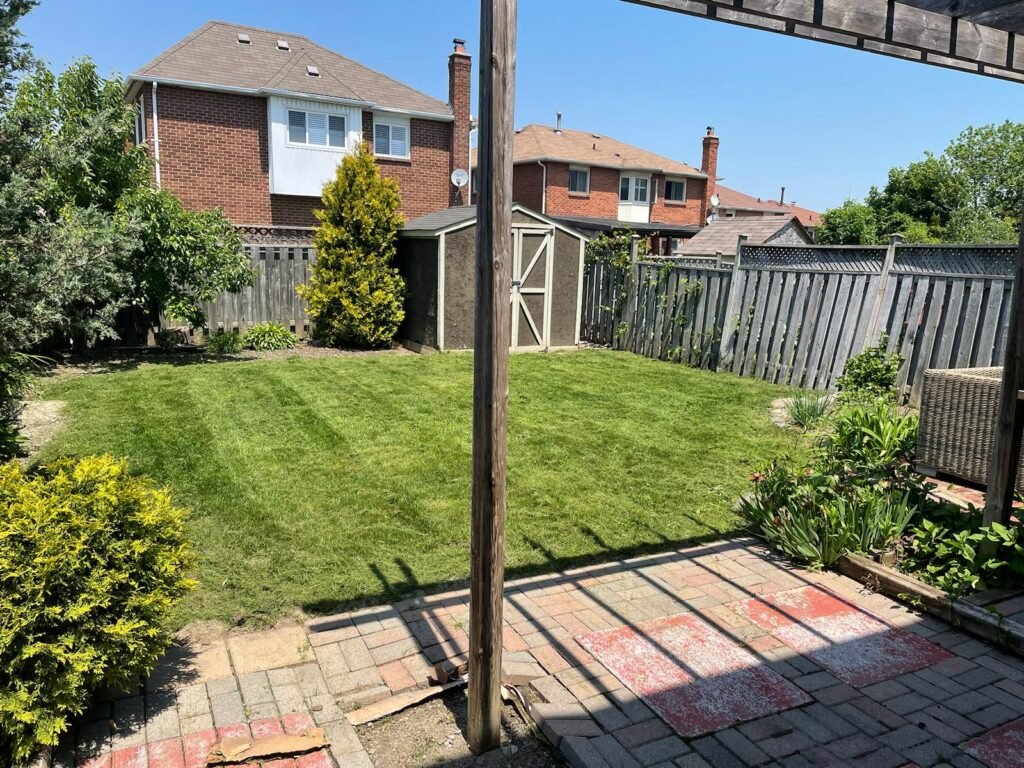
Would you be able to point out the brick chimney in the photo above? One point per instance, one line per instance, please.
(459, 83)
(709, 165)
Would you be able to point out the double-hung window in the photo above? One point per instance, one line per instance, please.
(140, 122)
(633, 189)
(579, 180)
(391, 137)
(675, 190)
(316, 129)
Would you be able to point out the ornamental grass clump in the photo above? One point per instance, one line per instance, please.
(92, 563)
(858, 494)
(356, 295)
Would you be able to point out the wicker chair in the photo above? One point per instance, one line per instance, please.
(958, 419)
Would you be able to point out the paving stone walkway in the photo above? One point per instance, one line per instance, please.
(720, 656)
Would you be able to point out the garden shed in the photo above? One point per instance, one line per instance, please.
(436, 256)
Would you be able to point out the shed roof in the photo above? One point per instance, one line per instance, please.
(212, 57)
(452, 218)
(722, 236)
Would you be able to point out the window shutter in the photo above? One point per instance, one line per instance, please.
(296, 126)
(382, 138)
(336, 130)
(316, 128)
(399, 141)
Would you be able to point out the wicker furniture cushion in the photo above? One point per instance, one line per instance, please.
(958, 420)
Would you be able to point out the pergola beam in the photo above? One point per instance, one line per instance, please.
(925, 31)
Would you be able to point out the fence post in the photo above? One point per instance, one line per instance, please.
(871, 338)
(632, 283)
(732, 309)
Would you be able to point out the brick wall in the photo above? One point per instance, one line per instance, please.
(214, 151)
(687, 212)
(424, 179)
(214, 154)
(528, 185)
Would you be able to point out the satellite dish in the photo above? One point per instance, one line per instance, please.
(460, 177)
(715, 200)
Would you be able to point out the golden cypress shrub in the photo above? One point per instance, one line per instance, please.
(355, 295)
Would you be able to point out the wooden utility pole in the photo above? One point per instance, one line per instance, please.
(1002, 476)
(490, 368)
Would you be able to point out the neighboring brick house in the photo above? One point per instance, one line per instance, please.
(733, 204)
(596, 183)
(254, 122)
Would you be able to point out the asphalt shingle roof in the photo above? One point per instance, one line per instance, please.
(722, 236)
(439, 220)
(212, 56)
(731, 198)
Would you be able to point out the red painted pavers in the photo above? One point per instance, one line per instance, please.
(101, 761)
(168, 753)
(297, 722)
(197, 747)
(855, 646)
(267, 726)
(318, 759)
(130, 757)
(1002, 747)
(233, 731)
(694, 677)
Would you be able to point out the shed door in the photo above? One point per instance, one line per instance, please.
(532, 250)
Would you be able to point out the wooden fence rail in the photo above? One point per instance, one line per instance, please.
(280, 269)
(795, 315)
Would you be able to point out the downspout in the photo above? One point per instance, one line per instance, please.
(543, 188)
(156, 140)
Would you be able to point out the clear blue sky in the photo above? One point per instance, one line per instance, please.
(824, 121)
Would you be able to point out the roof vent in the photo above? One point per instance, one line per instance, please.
(282, 45)
(312, 71)
(596, 135)
(243, 39)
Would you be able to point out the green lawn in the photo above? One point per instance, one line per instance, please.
(314, 482)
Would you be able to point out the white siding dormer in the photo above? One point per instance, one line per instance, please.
(307, 141)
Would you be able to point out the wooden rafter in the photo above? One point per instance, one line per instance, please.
(977, 36)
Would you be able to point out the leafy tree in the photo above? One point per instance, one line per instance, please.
(182, 258)
(969, 225)
(616, 247)
(925, 191)
(355, 295)
(989, 162)
(852, 223)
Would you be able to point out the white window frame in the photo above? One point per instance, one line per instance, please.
(674, 180)
(140, 122)
(585, 169)
(326, 146)
(634, 188)
(392, 122)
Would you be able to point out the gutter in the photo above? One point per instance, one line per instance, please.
(359, 103)
(156, 140)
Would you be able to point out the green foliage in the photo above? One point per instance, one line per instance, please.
(264, 337)
(918, 200)
(15, 370)
(858, 495)
(222, 342)
(981, 225)
(852, 223)
(808, 410)
(870, 375)
(92, 562)
(356, 294)
(947, 549)
(988, 161)
(184, 258)
(167, 339)
(615, 247)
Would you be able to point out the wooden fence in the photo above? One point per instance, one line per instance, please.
(794, 315)
(272, 297)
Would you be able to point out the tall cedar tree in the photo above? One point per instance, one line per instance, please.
(355, 295)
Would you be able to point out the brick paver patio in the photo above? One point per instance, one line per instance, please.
(744, 659)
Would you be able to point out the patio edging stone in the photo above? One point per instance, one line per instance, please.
(975, 619)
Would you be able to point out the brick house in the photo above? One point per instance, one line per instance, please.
(734, 204)
(254, 122)
(597, 183)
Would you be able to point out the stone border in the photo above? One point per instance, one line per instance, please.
(973, 618)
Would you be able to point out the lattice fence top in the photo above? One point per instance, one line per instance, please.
(941, 260)
(819, 258)
(956, 259)
(269, 235)
(687, 263)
